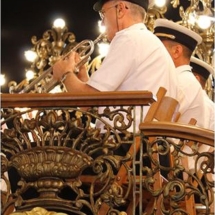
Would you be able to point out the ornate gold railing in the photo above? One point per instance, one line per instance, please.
(51, 143)
(57, 160)
(184, 155)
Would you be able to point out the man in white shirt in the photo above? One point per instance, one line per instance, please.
(136, 60)
(202, 70)
(180, 43)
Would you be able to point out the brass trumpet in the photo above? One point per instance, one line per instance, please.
(84, 48)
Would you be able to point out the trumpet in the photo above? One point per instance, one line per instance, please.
(85, 48)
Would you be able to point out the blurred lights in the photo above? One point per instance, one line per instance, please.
(30, 55)
(29, 74)
(160, 3)
(59, 23)
(192, 19)
(204, 22)
(102, 28)
(103, 48)
(2, 79)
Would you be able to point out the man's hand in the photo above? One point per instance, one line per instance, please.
(64, 66)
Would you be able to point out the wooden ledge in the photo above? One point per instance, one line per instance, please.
(32, 100)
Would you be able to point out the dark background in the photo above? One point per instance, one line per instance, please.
(22, 19)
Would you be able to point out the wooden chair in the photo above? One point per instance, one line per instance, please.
(164, 109)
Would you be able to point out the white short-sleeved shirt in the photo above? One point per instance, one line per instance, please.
(136, 60)
(190, 97)
(210, 107)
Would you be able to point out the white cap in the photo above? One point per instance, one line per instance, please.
(166, 29)
(201, 67)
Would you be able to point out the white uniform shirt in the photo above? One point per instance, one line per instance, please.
(136, 60)
(210, 107)
(190, 97)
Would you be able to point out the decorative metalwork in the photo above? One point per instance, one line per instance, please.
(72, 165)
(53, 44)
(39, 211)
(53, 150)
(153, 14)
(184, 161)
(180, 180)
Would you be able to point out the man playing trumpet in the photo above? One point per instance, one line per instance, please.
(137, 60)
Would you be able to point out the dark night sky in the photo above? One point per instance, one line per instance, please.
(22, 19)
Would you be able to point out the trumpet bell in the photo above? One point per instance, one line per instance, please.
(45, 82)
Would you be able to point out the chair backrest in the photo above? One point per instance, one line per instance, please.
(164, 109)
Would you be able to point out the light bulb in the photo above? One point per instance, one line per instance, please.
(29, 74)
(102, 28)
(204, 22)
(2, 79)
(30, 55)
(59, 23)
(160, 3)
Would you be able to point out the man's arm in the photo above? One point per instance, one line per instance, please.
(73, 82)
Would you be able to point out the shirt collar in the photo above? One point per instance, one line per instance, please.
(184, 68)
(138, 26)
